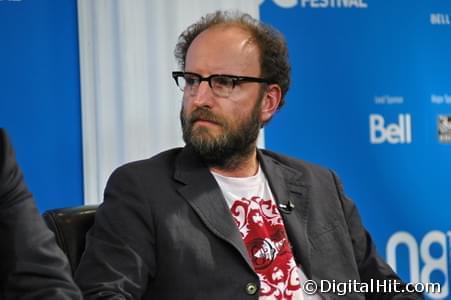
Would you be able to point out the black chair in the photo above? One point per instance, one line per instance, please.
(70, 226)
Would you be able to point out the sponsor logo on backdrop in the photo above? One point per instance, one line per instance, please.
(397, 132)
(388, 99)
(320, 3)
(444, 128)
(440, 99)
(426, 257)
(440, 19)
(9, 1)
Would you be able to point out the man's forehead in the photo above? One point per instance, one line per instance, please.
(224, 43)
(226, 33)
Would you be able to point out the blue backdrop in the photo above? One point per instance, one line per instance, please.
(371, 85)
(371, 98)
(40, 96)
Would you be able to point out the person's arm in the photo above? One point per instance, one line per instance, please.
(32, 266)
(371, 265)
(118, 261)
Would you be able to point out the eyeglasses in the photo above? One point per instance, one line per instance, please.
(221, 85)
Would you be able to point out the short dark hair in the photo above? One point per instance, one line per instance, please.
(273, 48)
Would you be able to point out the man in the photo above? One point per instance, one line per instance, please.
(31, 264)
(219, 219)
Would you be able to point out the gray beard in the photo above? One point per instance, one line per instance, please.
(227, 150)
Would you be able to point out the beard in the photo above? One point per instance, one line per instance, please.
(231, 146)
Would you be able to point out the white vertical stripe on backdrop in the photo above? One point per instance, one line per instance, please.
(130, 104)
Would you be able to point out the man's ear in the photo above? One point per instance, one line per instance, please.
(270, 102)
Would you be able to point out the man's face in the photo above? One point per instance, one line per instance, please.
(222, 127)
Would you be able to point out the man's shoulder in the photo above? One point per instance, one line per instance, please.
(295, 163)
(163, 161)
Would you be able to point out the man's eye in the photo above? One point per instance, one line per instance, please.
(190, 80)
(223, 81)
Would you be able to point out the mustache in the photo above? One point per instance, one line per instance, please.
(205, 115)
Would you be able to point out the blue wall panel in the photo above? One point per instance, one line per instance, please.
(365, 101)
(40, 96)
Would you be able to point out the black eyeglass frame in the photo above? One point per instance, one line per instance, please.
(235, 79)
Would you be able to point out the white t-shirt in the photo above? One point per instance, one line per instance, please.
(255, 212)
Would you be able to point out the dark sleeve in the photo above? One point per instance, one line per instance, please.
(31, 264)
(118, 261)
(371, 265)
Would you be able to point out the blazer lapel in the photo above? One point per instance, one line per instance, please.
(200, 190)
(289, 186)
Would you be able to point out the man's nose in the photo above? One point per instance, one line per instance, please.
(204, 95)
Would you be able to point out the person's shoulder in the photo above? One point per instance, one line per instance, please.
(5, 147)
(312, 174)
(8, 164)
(296, 164)
(163, 160)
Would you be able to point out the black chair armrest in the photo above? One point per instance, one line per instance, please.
(70, 226)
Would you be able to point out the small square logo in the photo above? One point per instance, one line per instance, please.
(444, 129)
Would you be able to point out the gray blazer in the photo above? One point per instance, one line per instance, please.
(164, 231)
(32, 266)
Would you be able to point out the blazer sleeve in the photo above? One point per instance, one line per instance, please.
(119, 258)
(370, 264)
(31, 264)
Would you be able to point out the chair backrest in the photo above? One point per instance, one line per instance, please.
(70, 226)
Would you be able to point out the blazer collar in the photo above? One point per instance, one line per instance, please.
(203, 194)
(291, 186)
(201, 191)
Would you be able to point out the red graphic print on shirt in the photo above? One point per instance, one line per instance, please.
(263, 232)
